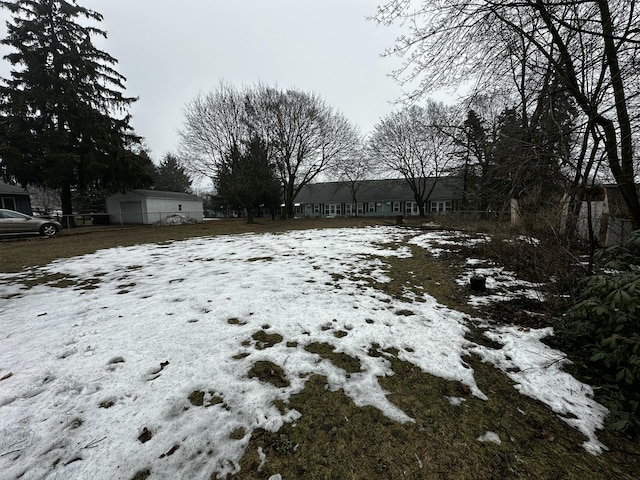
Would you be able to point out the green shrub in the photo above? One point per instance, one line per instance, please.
(608, 314)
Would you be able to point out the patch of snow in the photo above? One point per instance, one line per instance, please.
(456, 401)
(526, 239)
(439, 242)
(263, 459)
(490, 437)
(502, 285)
(176, 219)
(475, 261)
(537, 370)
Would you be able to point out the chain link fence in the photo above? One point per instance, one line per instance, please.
(136, 218)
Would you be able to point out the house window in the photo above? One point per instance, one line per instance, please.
(8, 202)
(408, 207)
(441, 206)
(331, 209)
(179, 207)
(360, 209)
(396, 207)
(372, 207)
(348, 209)
(316, 208)
(411, 208)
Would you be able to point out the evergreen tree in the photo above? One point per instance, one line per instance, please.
(508, 173)
(59, 123)
(247, 177)
(476, 156)
(528, 151)
(171, 176)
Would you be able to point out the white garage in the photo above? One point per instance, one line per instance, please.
(152, 206)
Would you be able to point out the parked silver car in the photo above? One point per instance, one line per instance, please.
(16, 223)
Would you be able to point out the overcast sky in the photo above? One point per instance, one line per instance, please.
(169, 51)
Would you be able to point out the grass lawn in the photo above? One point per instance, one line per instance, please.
(333, 436)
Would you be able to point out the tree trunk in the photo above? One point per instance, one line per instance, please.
(624, 175)
(420, 202)
(579, 184)
(516, 213)
(67, 205)
(571, 208)
(288, 202)
(355, 204)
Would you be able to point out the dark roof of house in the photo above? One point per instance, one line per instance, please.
(5, 188)
(164, 194)
(446, 188)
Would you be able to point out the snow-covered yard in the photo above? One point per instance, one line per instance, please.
(100, 364)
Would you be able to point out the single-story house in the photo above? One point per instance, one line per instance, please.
(610, 219)
(151, 206)
(15, 198)
(388, 197)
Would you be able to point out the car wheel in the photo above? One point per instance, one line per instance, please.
(48, 230)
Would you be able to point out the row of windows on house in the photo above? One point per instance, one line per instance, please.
(380, 208)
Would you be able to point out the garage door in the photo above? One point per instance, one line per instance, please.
(131, 212)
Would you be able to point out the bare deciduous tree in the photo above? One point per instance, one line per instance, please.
(590, 46)
(359, 166)
(214, 125)
(414, 144)
(305, 136)
(302, 135)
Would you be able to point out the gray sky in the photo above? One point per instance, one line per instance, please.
(170, 50)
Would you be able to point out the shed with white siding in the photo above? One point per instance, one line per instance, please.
(152, 206)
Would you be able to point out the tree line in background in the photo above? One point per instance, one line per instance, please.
(64, 124)
(510, 154)
(553, 108)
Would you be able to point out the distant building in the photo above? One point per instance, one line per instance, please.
(15, 198)
(376, 198)
(151, 206)
(610, 219)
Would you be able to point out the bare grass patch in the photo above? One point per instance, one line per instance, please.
(341, 360)
(269, 372)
